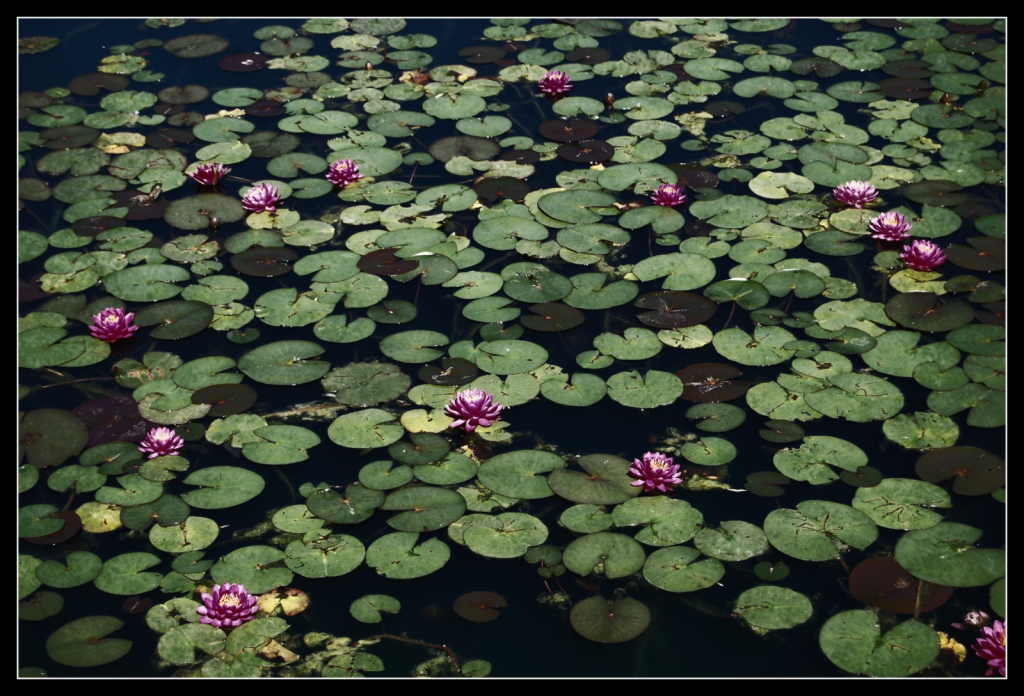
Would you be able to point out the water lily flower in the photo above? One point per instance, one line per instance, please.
(161, 442)
(655, 471)
(209, 174)
(112, 324)
(472, 408)
(227, 605)
(991, 647)
(890, 227)
(555, 82)
(343, 172)
(922, 255)
(669, 195)
(261, 198)
(855, 193)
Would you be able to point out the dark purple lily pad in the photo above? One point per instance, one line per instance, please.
(454, 372)
(694, 177)
(89, 85)
(569, 131)
(586, 152)
(68, 137)
(72, 526)
(265, 109)
(475, 148)
(990, 313)
(162, 109)
(226, 399)
(136, 604)
(924, 311)
(972, 210)
(906, 88)
(189, 94)
(94, 224)
(887, 23)
(520, 156)
(974, 471)
(710, 382)
(908, 68)
(864, 477)
(724, 109)
(958, 28)
(781, 431)
(988, 254)
(264, 262)
(552, 317)
(501, 188)
(673, 309)
(112, 419)
(588, 56)
(881, 582)
(243, 62)
(383, 262)
(937, 192)
(482, 54)
(34, 100)
(140, 206)
(479, 607)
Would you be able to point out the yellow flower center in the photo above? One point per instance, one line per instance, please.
(111, 319)
(229, 600)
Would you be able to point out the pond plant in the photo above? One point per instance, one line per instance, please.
(339, 346)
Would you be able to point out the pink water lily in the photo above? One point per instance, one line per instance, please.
(209, 174)
(855, 193)
(112, 324)
(991, 647)
(262, 198)
(669, 195)
(343, 172)
(655, 470)
(227, 605)
(555, 82)
(161, 442)
(473, 408)
(922, 255)
(890, 227)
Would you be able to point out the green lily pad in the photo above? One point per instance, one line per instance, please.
(764, 347)
(817, 529)
(732, 540)
(368, 609)
(367, 428)
(771, 607)
(853, 641)
(83, 642)
(397, 556)
(665, 521)
(597, 620)
(946, 555)
(252, 566)
(357, 504)
(516, 474)
(428, 508)
(605, 480)
(901, 503)
(507, 535)
(78, 568)
(648, 391)
(222, 487)
(812, 460)
(322, 555)
(677, 569)
(122, 575)
(178, 645)
(613, 555)
(284, 363)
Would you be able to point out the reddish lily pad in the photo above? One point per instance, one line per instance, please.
(937, 192)
(112, 419)
(482, 54)
(552, 316)
(569, 130)
(501, 188)
(89, 85)
(471, 146)
(881, 582)
(479, 607)
(72, 526)
(974, 471)
(384, 262)
(707, 382)
(988, 254)
(671, 309)
(586, 152)
(924, 311)
(67, 137)
(243, 62)
(226, 399)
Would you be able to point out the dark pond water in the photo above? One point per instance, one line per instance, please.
(827, 80)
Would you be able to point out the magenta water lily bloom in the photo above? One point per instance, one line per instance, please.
(922, 255)
(112, 324)
(655, 471)
(669, 195)
(209, 174)
(473, 408)
(855, 193)
(161, 442)
(555, 82)
(890, 227)
(343, 172)
(991, 647)
(227, 605)
(262, 198)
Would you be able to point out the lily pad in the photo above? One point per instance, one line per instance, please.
(397, 556)
(946, 555)
(771, 607)
(854, 642)
(597, 620)
(83, 642)
(817, 529)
